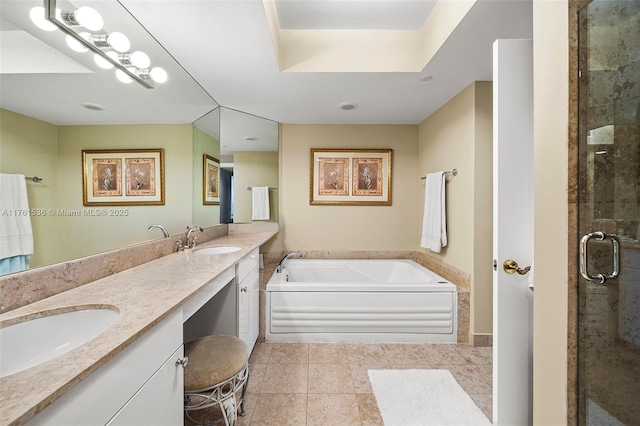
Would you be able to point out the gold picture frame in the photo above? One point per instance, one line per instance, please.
(210, 180)
(123, 177)
(353, 177)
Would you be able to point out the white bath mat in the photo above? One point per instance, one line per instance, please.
(423, 398)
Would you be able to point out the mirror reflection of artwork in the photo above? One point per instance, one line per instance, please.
(367, 176)
(334, 176)
(140, 176)
(106, 177)
(113, 177)
(212, 186)
(210, 180)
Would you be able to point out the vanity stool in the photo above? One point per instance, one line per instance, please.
(217, 369)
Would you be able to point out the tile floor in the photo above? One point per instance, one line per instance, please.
(327, 383)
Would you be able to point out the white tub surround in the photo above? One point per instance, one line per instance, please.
(143, 296)
(382, 300)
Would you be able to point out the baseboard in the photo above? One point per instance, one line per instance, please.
(482, 340)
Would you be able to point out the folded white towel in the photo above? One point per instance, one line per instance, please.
(260, 203)
(434, 221)
(16, 235)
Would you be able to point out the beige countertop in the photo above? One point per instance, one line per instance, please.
(143, 295)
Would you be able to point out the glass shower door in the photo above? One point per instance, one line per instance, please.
(609, 213)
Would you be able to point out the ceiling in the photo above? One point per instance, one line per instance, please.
(227, 47)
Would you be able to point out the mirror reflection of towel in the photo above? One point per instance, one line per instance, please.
(260, 203)
(16, 235)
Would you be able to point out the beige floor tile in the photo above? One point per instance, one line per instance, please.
(424, 366)
(261, 353)
(399, 353)
(441, 354)
(256, 376)
(330, 378)
(360, 376)
(289, 353)
(250, 402)
(484, 403)
(469, 377)
(359, 353)
(285, 378)
(334, 409)
(473, 355)
(327, 353)
(280, 410)
(369, 412)
(487, 373)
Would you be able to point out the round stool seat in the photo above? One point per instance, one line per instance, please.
(212, 360)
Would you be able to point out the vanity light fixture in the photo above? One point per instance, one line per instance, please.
(110, 49)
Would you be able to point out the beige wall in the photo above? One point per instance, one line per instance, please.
(306, 227)
(550, 309)
(459, 135)
(203, 215)
(30, 147)
(252, 168)
(80, 236)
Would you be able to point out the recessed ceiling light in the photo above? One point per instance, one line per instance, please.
(250, 138)
(426, 78)
(347, 106)
(93, 107)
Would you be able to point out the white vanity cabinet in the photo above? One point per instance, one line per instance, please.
(248, 284)
(141, 385)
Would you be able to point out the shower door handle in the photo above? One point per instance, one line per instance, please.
(599, 236)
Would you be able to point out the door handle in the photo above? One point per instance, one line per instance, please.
(511, 267)
(615, 245)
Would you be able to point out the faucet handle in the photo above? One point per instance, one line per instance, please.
(180, 246)
(194, 242)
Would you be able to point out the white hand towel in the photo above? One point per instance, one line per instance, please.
(16, 235)
(434, 221)
(260, 203)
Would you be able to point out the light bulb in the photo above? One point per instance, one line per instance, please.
(158, 75)
(119, 42)
(140, 59)
(75, 45)
(89, 18)
(103, 63)
(37, 17)
(123, 77)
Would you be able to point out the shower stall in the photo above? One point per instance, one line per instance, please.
(609, 213)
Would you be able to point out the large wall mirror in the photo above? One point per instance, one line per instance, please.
(56, 102)
(248, 156)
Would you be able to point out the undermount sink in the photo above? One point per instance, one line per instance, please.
(29, 343)
(217, 250)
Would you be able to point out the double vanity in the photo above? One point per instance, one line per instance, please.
(132, 372)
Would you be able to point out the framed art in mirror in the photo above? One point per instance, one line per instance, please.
(210, 180)
(350, 177)
(119, 177)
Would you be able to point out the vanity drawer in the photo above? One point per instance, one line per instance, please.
(247, 264)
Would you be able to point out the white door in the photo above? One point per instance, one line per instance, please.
(512, 230)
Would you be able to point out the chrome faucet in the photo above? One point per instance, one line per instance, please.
(160, 227)
(281, 263)
(187, 235)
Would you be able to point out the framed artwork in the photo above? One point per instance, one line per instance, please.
(210, 180)
(119, 177)
(356, 177)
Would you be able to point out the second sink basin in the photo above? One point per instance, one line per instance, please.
(32, 342)
(217, 250)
